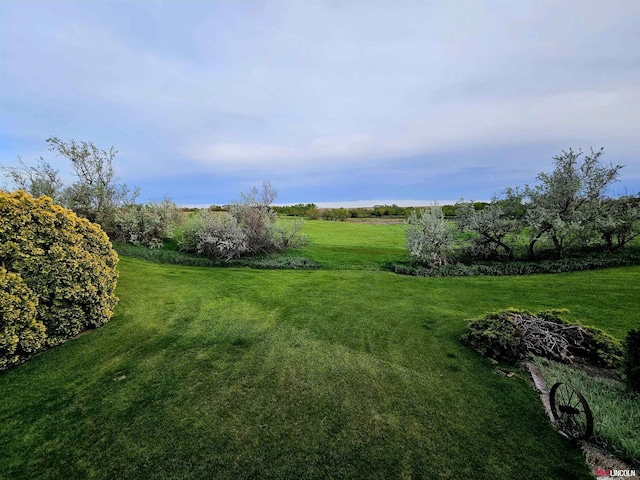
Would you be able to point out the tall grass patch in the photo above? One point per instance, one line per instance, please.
(615, 408)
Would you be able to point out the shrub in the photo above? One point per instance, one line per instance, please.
(429, 239)
(495, 335)
(214, 235)
(147, 224)
(514, 334)
(65, 260)
(622, 258)
(21, 334)
(249, 229)
(632, 359)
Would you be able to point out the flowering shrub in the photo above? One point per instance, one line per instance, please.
(66, 261)
(214, 235)
(429, 239)
(147, 224)
(249, 229)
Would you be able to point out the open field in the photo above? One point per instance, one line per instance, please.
(342, 373)
(353, 245)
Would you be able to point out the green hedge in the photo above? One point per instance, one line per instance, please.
(592, 262)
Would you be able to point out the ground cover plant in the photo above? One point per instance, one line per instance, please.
(615, 409)
(239, 373)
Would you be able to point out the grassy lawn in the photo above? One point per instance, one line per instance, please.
(241, 373)
(353, 245)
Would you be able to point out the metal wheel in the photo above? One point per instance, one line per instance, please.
(571, 411)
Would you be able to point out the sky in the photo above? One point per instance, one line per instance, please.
(338, 103)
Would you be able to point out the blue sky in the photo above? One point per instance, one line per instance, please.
(349, 102)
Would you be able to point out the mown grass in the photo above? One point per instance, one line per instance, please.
(615, 408)
(241, 373)
(352, 245)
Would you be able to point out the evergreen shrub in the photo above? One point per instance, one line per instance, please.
(66, 261)
(20, 333)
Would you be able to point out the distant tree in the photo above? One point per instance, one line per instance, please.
(559, 207)
(429, 238)
(340, 214)
(313, 213)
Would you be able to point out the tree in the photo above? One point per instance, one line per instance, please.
(95, 194)
(617, 221)
(491, 226)
(38, 180)
(254, 214)
(559, 206)
(429, 238)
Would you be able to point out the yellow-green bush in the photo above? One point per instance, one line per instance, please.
(20, 333)
(67, 261)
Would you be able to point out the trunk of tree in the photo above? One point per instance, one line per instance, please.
(532, 244)
(557, 244)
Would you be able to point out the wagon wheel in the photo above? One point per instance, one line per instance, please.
(571, 411)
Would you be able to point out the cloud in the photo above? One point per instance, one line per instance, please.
(316, 91)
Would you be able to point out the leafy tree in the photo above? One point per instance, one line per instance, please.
(254, 214)
(559, 206)
(339, 214)
(95, 194)
(491, 226)
(313, 213)
(38, 180)
(429, 238)
(617, 221)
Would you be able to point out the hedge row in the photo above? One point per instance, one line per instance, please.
(626, 258)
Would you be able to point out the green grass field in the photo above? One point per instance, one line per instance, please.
(353, 245)
(344, 373)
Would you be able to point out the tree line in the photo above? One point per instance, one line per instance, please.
(312, 212)
(566, 211)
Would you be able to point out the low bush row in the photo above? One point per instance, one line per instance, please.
(619, 259)
(173, 257)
